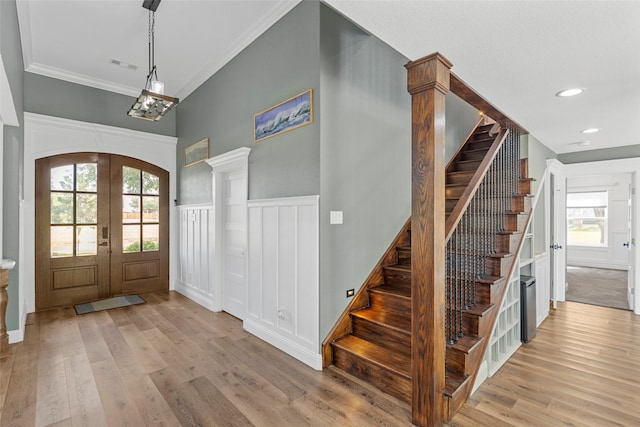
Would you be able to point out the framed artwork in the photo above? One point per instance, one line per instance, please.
(196, 153)
(291, 114)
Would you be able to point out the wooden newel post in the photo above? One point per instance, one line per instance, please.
(428, 83)
(4, 300)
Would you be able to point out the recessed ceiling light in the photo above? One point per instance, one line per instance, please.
(123, 64)
(570, 92)
(590, 130)
(583, 143)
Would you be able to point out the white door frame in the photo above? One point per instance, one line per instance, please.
(632, 166)
(231, 161)
(557, 247)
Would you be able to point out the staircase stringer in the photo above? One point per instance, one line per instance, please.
(344, 325)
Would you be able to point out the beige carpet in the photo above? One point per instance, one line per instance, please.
(597, 286)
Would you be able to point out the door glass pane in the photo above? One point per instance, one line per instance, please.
(62, 178)
(130, 180)
(150, 241)
(87, 177)
(86, 208)
(61, 208)
(150, 183)
(150, 208)
(86, 240)
(61, 241)
(130, 209)
(131, 238)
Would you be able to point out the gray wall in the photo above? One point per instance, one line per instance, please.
(282, 62)
(537, 153)
(614, 153)
(365, 154)
(59, 98)
(461, 119)
(13, 152)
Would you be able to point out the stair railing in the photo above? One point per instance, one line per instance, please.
(480, 219)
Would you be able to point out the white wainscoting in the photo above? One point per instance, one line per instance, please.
(196, 248)
(283, 292)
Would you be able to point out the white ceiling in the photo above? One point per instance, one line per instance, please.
(516, 53)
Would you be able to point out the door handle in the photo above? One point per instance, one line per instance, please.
(105, 232)
(626, 244)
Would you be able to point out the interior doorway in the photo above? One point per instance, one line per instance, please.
(102, 227)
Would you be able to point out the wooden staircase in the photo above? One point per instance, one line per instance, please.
(372, 340)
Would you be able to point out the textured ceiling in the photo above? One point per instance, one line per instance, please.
(517, 54)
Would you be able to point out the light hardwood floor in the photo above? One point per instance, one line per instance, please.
(171, 362)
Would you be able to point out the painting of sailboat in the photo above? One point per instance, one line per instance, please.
(293, 113)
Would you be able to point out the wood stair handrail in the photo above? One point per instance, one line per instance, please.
(473, 185)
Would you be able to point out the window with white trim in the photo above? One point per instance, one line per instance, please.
(587, 218)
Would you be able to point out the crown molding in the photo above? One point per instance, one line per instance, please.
(81, 79)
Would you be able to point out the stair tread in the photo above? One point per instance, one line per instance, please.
(479, 309)
(397, 321)
(397, 290)
(392, 360)
(490, 280)
(475, 150)
(466, 343)
(470, 173)
(398, 267)
(453, 382)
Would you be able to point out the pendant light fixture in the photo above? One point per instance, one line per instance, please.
(152, 103)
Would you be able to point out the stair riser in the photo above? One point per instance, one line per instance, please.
(387, 337)
(390, 302)
(401, 277)
(450, 204)
(473, 155)
(454, 192)
(387, 381)
(514, 222)
(459, 179)
(525, 186)
(498, 267)
(481, 144)
(521, 204)
(459, 361)
(472, 324)
(485, 294)
(403, 256)
(467, 166)
(524, 167)
(507, 242)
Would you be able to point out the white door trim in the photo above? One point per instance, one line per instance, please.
(558, 255)
(620, 166)
(231, 161)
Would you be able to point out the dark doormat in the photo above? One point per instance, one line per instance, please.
(106, 304)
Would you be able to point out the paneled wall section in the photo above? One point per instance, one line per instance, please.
(283, 291)
(195, 271)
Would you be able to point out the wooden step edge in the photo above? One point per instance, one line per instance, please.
(461, 173)
(398, 267)
(490, 280)
(500, 255)
(391, 290)
(480, 310)
(507, 233)
(527, 179)
(466, 344)
(454, 382)
(475, 150)
(395, 362)
(402, 327)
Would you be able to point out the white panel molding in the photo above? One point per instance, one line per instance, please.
(292, 348)
(284, 296)
(196, 248)
(47, 136)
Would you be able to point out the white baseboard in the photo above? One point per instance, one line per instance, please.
(597, 264)
(18, 334)
(293, 349)
(193, 295)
